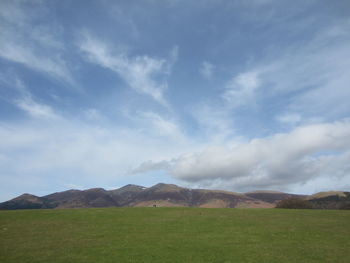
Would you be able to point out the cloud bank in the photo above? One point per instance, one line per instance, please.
(303, 154)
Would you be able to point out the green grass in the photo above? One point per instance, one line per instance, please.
(174, 235)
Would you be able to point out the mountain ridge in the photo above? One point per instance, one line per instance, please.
(157, 195)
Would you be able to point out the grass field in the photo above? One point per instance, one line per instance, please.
(174, 235)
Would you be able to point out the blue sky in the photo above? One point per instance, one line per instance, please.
(236, 95)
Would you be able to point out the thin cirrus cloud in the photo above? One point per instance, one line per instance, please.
(35, 109)
(154, 124)
(314, 76)
(206, 69)
(26, 55)
(38, 48)
(241, 89)
(143, 74)
(25, 101)
(215, 123)
(289, 118)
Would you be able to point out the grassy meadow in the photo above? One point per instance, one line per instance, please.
(174, 235)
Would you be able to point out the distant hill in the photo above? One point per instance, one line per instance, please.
(173, 195)
(126, 194)
(272, 196)
(330, 200)
(25, 201)
(95, 197)
(157, 195)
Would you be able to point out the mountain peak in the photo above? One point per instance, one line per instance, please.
(26, 196)
(95, 190)
(132, 186)
(128, 188)
(264, 192)
(166, 187)
(161, 187)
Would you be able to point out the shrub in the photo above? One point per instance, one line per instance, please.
(294, 203)
(345, 206)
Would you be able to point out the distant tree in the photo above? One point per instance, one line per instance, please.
(294, 203)
(345, 206)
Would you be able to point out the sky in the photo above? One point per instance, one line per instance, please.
(239, 95)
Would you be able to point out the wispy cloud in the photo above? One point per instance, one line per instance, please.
(214, 122)
(27, 56)
(206, 69)
(38, 47)
(289, 118)
(155, 124)
(151, 166)
(144, 74)
(312, 77)
(35, 109)
(161, 125)
(25, 101)
(241, 89)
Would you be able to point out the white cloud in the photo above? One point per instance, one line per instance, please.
(12, 12)
(27, 56)
(215, 123)
(26, 102)
(157, 125)
(35, 109)
(310, 77)
(151, 166)
(206, 69)
(61, 151)
(289, 118)
(94, 115)
(69, 151)
(305, 153)
(36, 47)
(144, 74)
(161, 125)
(241, 89)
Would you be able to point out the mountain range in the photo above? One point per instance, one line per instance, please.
(166, 195)
(157, 195)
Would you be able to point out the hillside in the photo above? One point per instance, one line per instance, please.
(330, 200)
(272, 196)
(157, 195)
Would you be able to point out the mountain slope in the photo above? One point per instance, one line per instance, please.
(126, 194)
(330, 200)
(173, 195)
(25, 201)
(157, 195)
(271, 197)
(95, 197)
